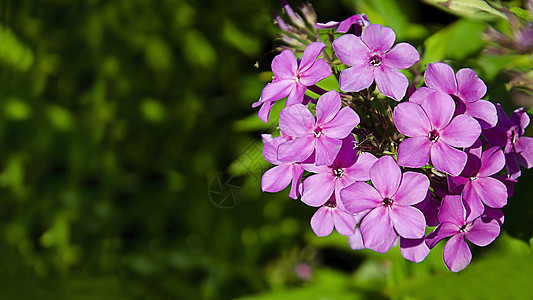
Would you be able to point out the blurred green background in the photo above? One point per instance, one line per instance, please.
(130, 157)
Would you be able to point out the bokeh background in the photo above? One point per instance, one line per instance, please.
(130, 156)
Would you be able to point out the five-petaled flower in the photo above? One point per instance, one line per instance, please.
(371, 58)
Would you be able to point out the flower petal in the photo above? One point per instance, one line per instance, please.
(452, 210)
(326, 150)
(463, 131)
(264, 111)
(356, 240)
(439, 108)
(356, 78)
(318, 71)
(491, 191)
(483, 233)
(411, 120)
(297, 172)
(408, 221)
(344, 222)
(456, 253)
(327, 107)
(414, 152)
(311, 53)
(378, 38)
(440, 76)
(386, 176)
(524, 151)
(317, 189)
(484, 111)
(277, 90)
(359, 197)
(413, 189)
(414, 250)
(420, 95)
(469, 86)
(360, 170)
(391, 82)
(492, 161)
(296, 150)
(442, 231)
(342, 124)
(322, 221)
(401, 56)
(378, 233)
(296, 120)
(447, 159)
(284, 65)
(473, 205)
(296, 95)
(276, 178)
(351, 50)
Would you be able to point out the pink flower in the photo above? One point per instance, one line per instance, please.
(465, 87)
(292, 77)
(322, 136)
(434, 133)
(456, 223)
(372, 58)
(390, 202)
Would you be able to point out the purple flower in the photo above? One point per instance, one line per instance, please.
(433, 133)
(292, 77)
(508, 134)
(347, 168)
(478, 186)
(465, 87)
(330, 215)
(359, 22)
(280, 176)
(390, 202)
(372, 58)
(456, 223)
(323, 136)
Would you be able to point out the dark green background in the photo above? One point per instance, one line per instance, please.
(117, 118)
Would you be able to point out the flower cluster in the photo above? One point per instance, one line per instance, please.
(394, 165)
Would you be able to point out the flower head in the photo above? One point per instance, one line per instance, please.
(322, 136)
(455, 222)
(390, 203)
(292, 77)
(372, 58)
(434, 132)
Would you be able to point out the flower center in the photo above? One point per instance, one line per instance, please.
(338, 172)
(375, 60)
(463, 228)
(317, 131)
(331, 204)
(514, 136)
(433, 136)
(387, 202)
(473, 178)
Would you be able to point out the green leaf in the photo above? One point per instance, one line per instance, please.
(473, 9)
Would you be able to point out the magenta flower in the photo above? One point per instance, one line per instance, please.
(347, 168)
(390, 202)
(465, 87)
(359, 22)
(372, 58)
(330, 215)
(508, 134)
(280, 176)
(292, 77)
(433, 133)
(456, 223)
(323, 136)
(478, 186)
